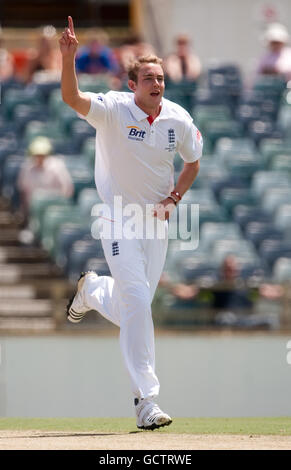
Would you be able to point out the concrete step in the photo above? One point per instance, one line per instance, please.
(26, 325)
(9, 236)
(26, 308)
(21, 254)
(10, 273)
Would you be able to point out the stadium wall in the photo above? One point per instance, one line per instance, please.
(224, 31)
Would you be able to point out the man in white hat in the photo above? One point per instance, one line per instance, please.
(42, 171)
(277, 60)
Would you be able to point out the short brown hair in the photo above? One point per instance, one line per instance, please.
(134, 66)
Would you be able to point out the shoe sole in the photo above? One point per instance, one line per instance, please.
(155, 426)
(78, 316)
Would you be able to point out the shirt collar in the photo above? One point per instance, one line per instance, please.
(139, 114)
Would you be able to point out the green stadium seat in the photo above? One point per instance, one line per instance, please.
(216, 129)
(56, 104)
(14, 97)
(204, 114)
(284, 117)
(271, 147)
(234, 146)
(87, 198)
(282, 163)
(282, 270)
(40, 128)
(272, 86)
(40, 201)
(282, 216)
(243, 250)
(263, 181)
(210, 172)
(94, 83)
(211, 231)
(88, 151)
(231, 197)
(275, 197)
(54, 217)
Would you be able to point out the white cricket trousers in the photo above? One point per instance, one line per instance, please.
(125, 299)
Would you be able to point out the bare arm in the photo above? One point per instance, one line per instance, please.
(71, 94)
(165, 208)
(187, 177)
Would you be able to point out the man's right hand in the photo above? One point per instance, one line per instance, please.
(68, 41)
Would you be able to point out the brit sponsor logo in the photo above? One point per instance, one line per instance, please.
(136, 133)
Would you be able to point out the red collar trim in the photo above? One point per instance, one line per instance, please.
(151, 119)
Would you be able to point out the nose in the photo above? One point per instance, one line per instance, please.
(156, 83)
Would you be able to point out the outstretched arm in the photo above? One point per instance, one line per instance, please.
(71, 94)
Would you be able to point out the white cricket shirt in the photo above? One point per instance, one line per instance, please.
(133, 158)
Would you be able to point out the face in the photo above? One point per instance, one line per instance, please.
(39, 160)
(276, 46)
(150, 86)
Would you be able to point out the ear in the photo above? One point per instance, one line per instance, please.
(131, 85)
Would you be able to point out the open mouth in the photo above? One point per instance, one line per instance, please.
(155, 93)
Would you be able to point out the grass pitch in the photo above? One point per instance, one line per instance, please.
(245, 426)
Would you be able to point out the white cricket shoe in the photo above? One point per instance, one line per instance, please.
(76, 308)
(149, 415)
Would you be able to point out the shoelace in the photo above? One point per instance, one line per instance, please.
(154, 412)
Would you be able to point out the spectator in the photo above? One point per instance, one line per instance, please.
(97, 57)
(43, 172)
(6, 61)
(133, 48)
(277, 60)
(183, 64)
(46, 56)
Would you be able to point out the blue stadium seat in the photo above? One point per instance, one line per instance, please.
(68, 234)
(282, 270)
(11, 171)
(211, 231)
(80, 253)
(275, 197)
(244, 213)
(258, 231)
(98, 265)
(263, 181)
(230, 181)
(263, 128)
(282, 217)
(271, 250)
(226, 79)
(87, 198)
(231, 197)
(243, 250)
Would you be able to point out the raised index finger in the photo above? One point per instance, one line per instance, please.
(71, 24)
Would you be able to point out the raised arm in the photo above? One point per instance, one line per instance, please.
(71, 94)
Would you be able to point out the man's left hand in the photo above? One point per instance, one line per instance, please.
(164, 209)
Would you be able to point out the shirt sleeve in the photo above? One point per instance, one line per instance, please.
(100, 109)
(192, 144)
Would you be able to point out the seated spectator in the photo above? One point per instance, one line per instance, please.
(46, 55)
(6, 61)
(183, 64)
(42, 171)
(277, 60)
(230, 298)
(97, 57)
(133, 48)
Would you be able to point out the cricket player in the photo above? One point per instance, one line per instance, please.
(137, 136)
